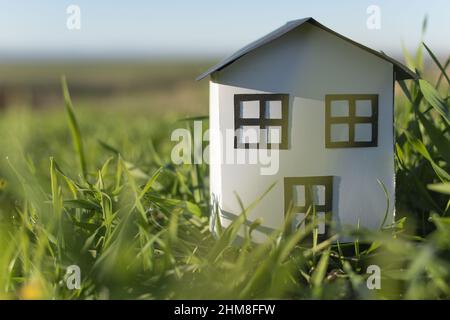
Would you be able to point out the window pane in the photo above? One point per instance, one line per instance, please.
(274, 134)
(273, 110)
(249, 134)
(299, 196)
(298, 221)
(339, 108)
(250, 109)
(339, 132)
(318, 195)
(363, 132)
(363, 108)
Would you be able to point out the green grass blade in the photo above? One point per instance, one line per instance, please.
(438, 138)
(405, 90)
(321, 269)
(386, 194)
(441, 76)
(436, 61)
(434, 99)
(74, 128)
(421, 148)
(440, 187)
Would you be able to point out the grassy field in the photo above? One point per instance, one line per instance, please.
(89, 182)
(157, 87)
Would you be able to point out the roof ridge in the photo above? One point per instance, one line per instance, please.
(403, 72)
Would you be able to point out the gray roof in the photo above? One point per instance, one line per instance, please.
(401, 71)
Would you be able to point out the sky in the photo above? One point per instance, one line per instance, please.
(198, 28)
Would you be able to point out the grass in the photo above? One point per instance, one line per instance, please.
(159, 87)
(84, 187)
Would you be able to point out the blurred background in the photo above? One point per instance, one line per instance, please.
(144, 55)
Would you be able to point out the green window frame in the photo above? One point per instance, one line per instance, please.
(351, 120)
(263, 121)
(307, 184)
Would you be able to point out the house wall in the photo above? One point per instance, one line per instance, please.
(307, 64)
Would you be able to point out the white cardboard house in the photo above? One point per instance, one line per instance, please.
(323, 102)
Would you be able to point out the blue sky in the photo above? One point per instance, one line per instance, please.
(134, 28)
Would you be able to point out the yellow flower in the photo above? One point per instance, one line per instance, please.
(32, 290)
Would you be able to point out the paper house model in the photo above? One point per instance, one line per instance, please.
(322, 106)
